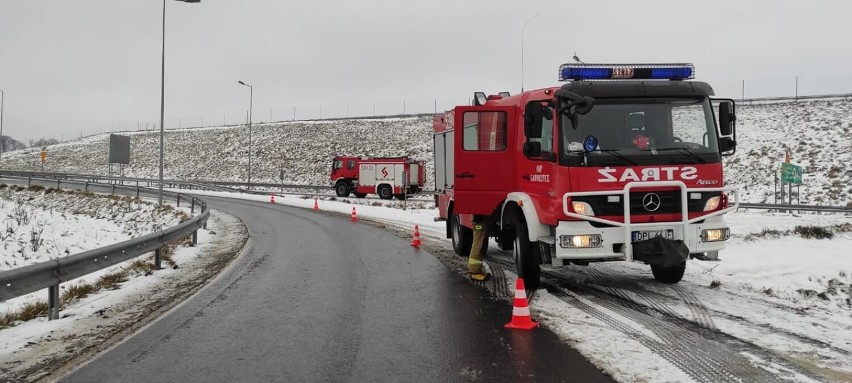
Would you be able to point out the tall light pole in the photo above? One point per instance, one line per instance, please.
(251, 97)
(2, 142)
(163, 97)
(523, 30)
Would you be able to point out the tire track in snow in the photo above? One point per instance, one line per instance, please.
(705, 354)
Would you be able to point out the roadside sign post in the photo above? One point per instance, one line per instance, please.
(790, 174)
(43, 157)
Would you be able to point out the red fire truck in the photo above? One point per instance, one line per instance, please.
(621, 163)
(387, 177)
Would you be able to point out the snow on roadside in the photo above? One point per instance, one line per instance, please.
(34, 348)
(45, 224)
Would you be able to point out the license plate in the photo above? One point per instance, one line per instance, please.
(643, 235)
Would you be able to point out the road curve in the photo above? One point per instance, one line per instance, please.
(316, 298)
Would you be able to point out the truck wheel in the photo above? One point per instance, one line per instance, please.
(400, 197)
(462, 237)
(669, 274)
(360, 195)
(342, 189)
(385, 192)
(527, 258)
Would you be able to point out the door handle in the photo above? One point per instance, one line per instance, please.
(465, 175)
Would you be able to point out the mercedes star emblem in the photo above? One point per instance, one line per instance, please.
(651, 202)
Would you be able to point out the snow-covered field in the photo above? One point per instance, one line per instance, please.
(50, 223)
(819, 133)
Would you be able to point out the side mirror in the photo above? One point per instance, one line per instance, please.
(727, 146)
(726, 118)
(533, 115)
(532, 149)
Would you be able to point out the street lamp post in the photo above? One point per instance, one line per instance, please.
(163, 97)
(2, 142)
(523, 30)
(251, 97)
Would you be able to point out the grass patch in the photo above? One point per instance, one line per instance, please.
(32, 310)
(7, 319)
(35, 188)
(111, 281)
(141, 266)
(816, 232)
(77, 292)
(715, 284)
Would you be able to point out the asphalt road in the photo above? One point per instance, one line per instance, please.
(317, 298)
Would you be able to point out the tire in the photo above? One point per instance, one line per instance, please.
(400, 197)
(669, 275)
(527, 258)
(462, 236)
(341, 189)
(360, 195)
(385, 192)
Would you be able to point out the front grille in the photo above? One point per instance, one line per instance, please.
(669, 203)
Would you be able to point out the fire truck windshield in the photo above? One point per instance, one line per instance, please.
(336, 164)
(643, 132)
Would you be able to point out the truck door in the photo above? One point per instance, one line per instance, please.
(484, 157)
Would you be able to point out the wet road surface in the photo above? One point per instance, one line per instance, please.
(316, 298)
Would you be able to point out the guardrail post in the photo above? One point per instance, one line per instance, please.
(137, 190)
(178, 200)
(157, 262)
(194, 237)
(192, 209)
(53, 302)
(113, 189)
(86, 187)
(57, 183)
(29, 181)
(203, 208)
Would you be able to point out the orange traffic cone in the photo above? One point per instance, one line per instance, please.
(521, 319)
(316, 205)
(416, 240)
(272, 198)
(354, 215)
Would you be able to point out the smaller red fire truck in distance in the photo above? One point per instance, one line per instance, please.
(622, 163)
(387, 177)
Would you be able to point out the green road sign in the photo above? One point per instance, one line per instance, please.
(791, 174)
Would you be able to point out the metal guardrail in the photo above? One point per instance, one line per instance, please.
(225, 186)
(845, 96)
(816, 208)
(49, 274)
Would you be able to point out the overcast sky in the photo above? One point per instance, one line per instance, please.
(72, 67)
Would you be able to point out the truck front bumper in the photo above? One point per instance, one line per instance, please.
(612, 239)
(580, 240)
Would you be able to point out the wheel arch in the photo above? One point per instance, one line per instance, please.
(521, 204)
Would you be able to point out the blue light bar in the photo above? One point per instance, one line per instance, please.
(576, 72)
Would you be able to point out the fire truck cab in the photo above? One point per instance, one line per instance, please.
(622, 163)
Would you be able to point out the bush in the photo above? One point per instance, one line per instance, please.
(816, 232)
(35, 188)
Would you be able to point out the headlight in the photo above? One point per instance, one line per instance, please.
(582, 208)
(580, 241)
(715, 235)
(712, 203)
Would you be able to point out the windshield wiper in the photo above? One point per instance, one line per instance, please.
(683, 150)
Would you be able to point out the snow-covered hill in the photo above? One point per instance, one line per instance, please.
(818, 132)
